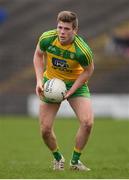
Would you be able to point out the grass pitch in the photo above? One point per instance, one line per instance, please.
(23, 155)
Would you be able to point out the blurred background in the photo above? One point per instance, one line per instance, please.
(104, 24)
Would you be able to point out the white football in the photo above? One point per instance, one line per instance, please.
(55, 90)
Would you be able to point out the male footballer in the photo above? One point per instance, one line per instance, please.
(61, 53)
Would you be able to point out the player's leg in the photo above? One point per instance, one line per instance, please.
(83, 109)
(47, 114)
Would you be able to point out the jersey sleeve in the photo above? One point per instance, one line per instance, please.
(85, 53)
(86, 57)
(43, 42)
(46, 38)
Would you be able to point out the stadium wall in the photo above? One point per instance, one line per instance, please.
(104, 105)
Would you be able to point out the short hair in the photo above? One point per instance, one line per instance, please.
(68, 16)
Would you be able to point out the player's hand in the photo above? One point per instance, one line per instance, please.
(39, 89)
(68, 94)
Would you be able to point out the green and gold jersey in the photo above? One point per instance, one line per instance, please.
(64, 62)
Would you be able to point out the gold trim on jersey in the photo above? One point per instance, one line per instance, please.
(51, 34)
(83, 49)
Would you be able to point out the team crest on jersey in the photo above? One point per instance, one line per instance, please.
(61, 52)
(60, 64)
(72, 55)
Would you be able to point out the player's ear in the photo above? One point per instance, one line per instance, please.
(75, 30)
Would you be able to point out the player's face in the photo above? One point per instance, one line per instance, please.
(65, 32)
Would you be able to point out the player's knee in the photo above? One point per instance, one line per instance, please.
(87, 125)
(46, 132)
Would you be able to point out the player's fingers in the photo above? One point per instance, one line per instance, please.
(41, 95)
(66, 95)
(38, 91)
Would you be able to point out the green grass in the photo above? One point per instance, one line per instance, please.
(24, 155)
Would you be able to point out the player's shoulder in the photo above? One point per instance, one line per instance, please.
(81, 42)
(47, 38)
(83, 49)
(48, 34)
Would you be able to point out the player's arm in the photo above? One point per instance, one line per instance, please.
(83, 77)
(39, 61)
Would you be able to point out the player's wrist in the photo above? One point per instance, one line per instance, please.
(39, 81)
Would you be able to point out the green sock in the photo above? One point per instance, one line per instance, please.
(75, 157)
(57, 155)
